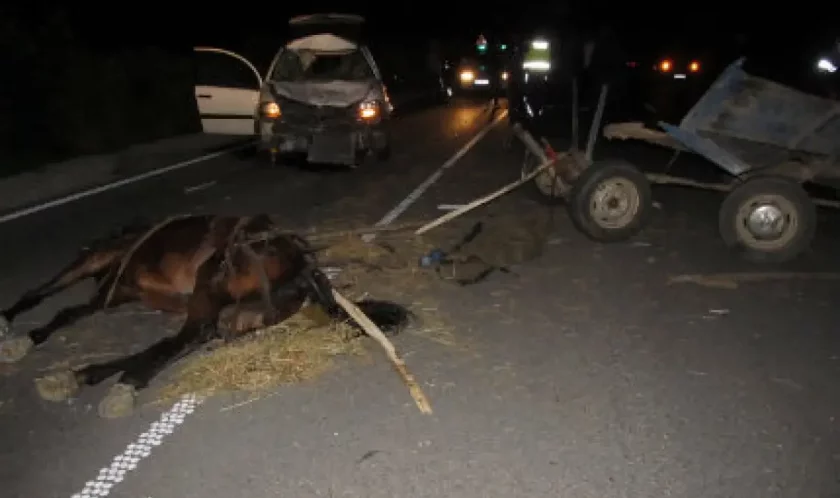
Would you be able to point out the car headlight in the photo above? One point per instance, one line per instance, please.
(270, 110)
(467, 76)
(826, 66)
(505, 75)
(369, 111)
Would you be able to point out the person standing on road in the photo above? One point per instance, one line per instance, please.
(494, 71)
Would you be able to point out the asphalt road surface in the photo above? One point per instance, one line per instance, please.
(586, 374)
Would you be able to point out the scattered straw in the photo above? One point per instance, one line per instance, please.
(299, 349)
(305, 346)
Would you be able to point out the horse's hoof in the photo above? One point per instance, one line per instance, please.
(14, 349)
(5, 326)
(58, 386)
(119, 402)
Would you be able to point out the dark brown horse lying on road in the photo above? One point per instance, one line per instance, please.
(197, 266)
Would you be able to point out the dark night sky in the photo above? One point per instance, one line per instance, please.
(187, 23)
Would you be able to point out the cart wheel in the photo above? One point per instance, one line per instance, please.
(768, 219)
(544, 187)
(611, 201)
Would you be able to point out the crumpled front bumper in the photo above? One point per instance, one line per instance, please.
(325, 136)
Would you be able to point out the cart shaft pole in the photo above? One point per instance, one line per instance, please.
(530, 143)
(575, 115)
(596, 123)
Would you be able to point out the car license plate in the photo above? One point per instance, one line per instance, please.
(679, 76)
(332, 148)
(482, 82)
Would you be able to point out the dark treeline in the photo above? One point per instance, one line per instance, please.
(69, 96)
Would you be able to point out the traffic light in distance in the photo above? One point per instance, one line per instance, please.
(481, 44)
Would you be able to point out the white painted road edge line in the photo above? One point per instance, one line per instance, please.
(140, 449)
(400, 208)
(119, 183)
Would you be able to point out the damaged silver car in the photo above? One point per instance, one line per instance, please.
(323, 96)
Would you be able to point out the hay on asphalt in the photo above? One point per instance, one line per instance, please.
(307, 345)
(300, 348)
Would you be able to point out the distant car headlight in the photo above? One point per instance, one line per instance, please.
(505, 75)
(539, 45)
(467, 76)
(826, 66)
(694, 67)
(270, 110)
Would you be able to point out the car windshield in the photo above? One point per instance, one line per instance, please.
(309, 65)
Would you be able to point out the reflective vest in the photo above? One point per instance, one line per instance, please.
(537, 58)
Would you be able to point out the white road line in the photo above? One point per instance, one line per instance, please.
(119, 183)
(450, 207)
(400, 208)
(200, 186)
(108, 477)
(127, 461)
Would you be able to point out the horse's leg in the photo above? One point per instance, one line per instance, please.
(200, 326)
(86, 265)
(15, 348)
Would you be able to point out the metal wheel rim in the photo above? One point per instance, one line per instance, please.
(614, 203)
(788, 222)
(546, 182)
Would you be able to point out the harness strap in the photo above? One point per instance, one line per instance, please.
(234, 239)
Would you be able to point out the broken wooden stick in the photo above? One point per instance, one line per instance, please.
(731, 280)
(268, 234)
(485, 199)
(131, 250)
(374, 332)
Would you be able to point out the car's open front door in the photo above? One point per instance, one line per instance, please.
(226, 91)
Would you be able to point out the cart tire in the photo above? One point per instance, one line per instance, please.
(591, 208)
(539, 189)
(790, 205)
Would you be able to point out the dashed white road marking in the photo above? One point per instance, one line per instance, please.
(119, 183)
(141, 448)
(400, 208)
(200, 186)
(127, 461)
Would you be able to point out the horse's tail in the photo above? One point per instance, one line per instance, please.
(389, 316)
